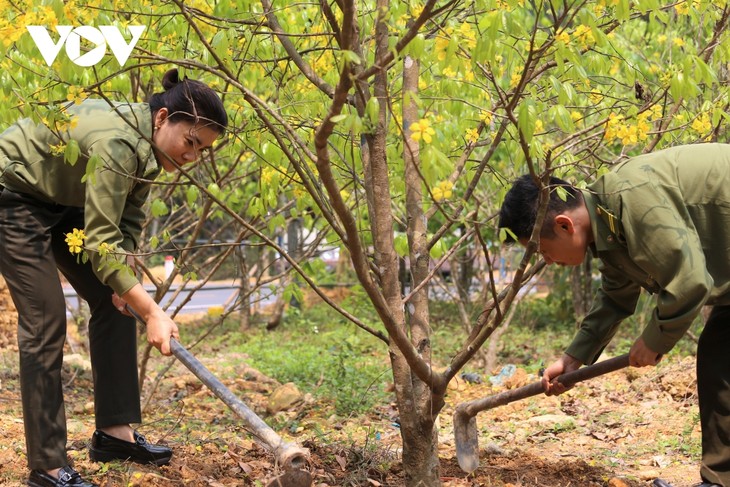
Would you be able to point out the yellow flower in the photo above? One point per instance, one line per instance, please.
(485, 117)
(584, 35)
(422, 130)
(682, 8)
(443, 190)
(575, 115)
(58, 149)
(75, 241)
(563, 37)
(661, 38)
(678, 42)
(472, 135)
(702, 124)
(516, 77)
(595, 96)
(215, 311)
(448, 72)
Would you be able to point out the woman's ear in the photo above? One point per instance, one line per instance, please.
(160, 117)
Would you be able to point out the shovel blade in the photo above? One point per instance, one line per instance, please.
(467, 440)
(292, 478)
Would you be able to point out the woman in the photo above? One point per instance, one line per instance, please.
(122, 148)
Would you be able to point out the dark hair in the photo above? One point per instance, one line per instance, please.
(519, 210)
(189, 100)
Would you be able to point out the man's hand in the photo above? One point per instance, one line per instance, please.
(640, 355)
(564, 364)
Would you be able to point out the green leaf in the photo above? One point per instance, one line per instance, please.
(192, 195)
(526, 119)
(438, 249)
(372, 110)
(71, 153)
(338, 118)
(94, 163)
(561, 115)
(159, 208)
(351, 57)
(401, 244)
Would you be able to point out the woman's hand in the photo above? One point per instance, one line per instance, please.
(160, 328)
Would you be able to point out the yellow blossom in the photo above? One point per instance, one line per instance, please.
(702, 124)
(75, 241)
(539, 126)
(472, 135)
(485, 117)
(584, 35)
(682, 8)
(58, 149)
(448, 72)
(268, 174)
(661, 38)
(443, 191)
(575, 115)
(677, 41)
(215, 311)
(442, 43)
(422, 130)
(595, 96)
(516, 77)
(563, 37)
(75, 94)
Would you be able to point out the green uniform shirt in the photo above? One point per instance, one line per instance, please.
(670, 213)
(113, 198)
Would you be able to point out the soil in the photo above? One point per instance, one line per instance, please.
(621, 430)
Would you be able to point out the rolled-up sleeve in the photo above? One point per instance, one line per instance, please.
(113, 211)
(615, 300)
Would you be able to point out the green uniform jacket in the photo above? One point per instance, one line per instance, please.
(113, 198)
(670, 213)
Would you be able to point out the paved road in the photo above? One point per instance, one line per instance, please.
(210, 295)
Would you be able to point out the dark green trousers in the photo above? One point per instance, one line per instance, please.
(713, 387)
(32, 251)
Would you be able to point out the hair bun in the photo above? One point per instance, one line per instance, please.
(170, 79)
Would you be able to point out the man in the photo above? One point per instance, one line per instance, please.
(661, 222)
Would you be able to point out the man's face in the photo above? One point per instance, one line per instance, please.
(562, 251)
(565, 247)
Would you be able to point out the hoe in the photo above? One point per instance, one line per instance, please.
(291, 457)
(465, 424)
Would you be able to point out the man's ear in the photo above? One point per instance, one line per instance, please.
(564, 223)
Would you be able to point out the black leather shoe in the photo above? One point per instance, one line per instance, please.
(105, 448)
(664, 483)
(67, 477)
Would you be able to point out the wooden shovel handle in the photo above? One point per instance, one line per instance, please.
(471, 408)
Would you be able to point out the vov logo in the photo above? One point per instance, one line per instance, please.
(99, 37)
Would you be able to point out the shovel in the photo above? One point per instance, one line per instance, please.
(465, 424)
(291, 456)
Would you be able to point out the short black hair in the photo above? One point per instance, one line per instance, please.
(519, 209)
(190, 100)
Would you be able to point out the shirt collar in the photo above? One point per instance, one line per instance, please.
(603, 239)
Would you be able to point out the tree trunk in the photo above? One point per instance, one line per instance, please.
(420, 437)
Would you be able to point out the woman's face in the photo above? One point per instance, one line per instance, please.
(180, 141)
